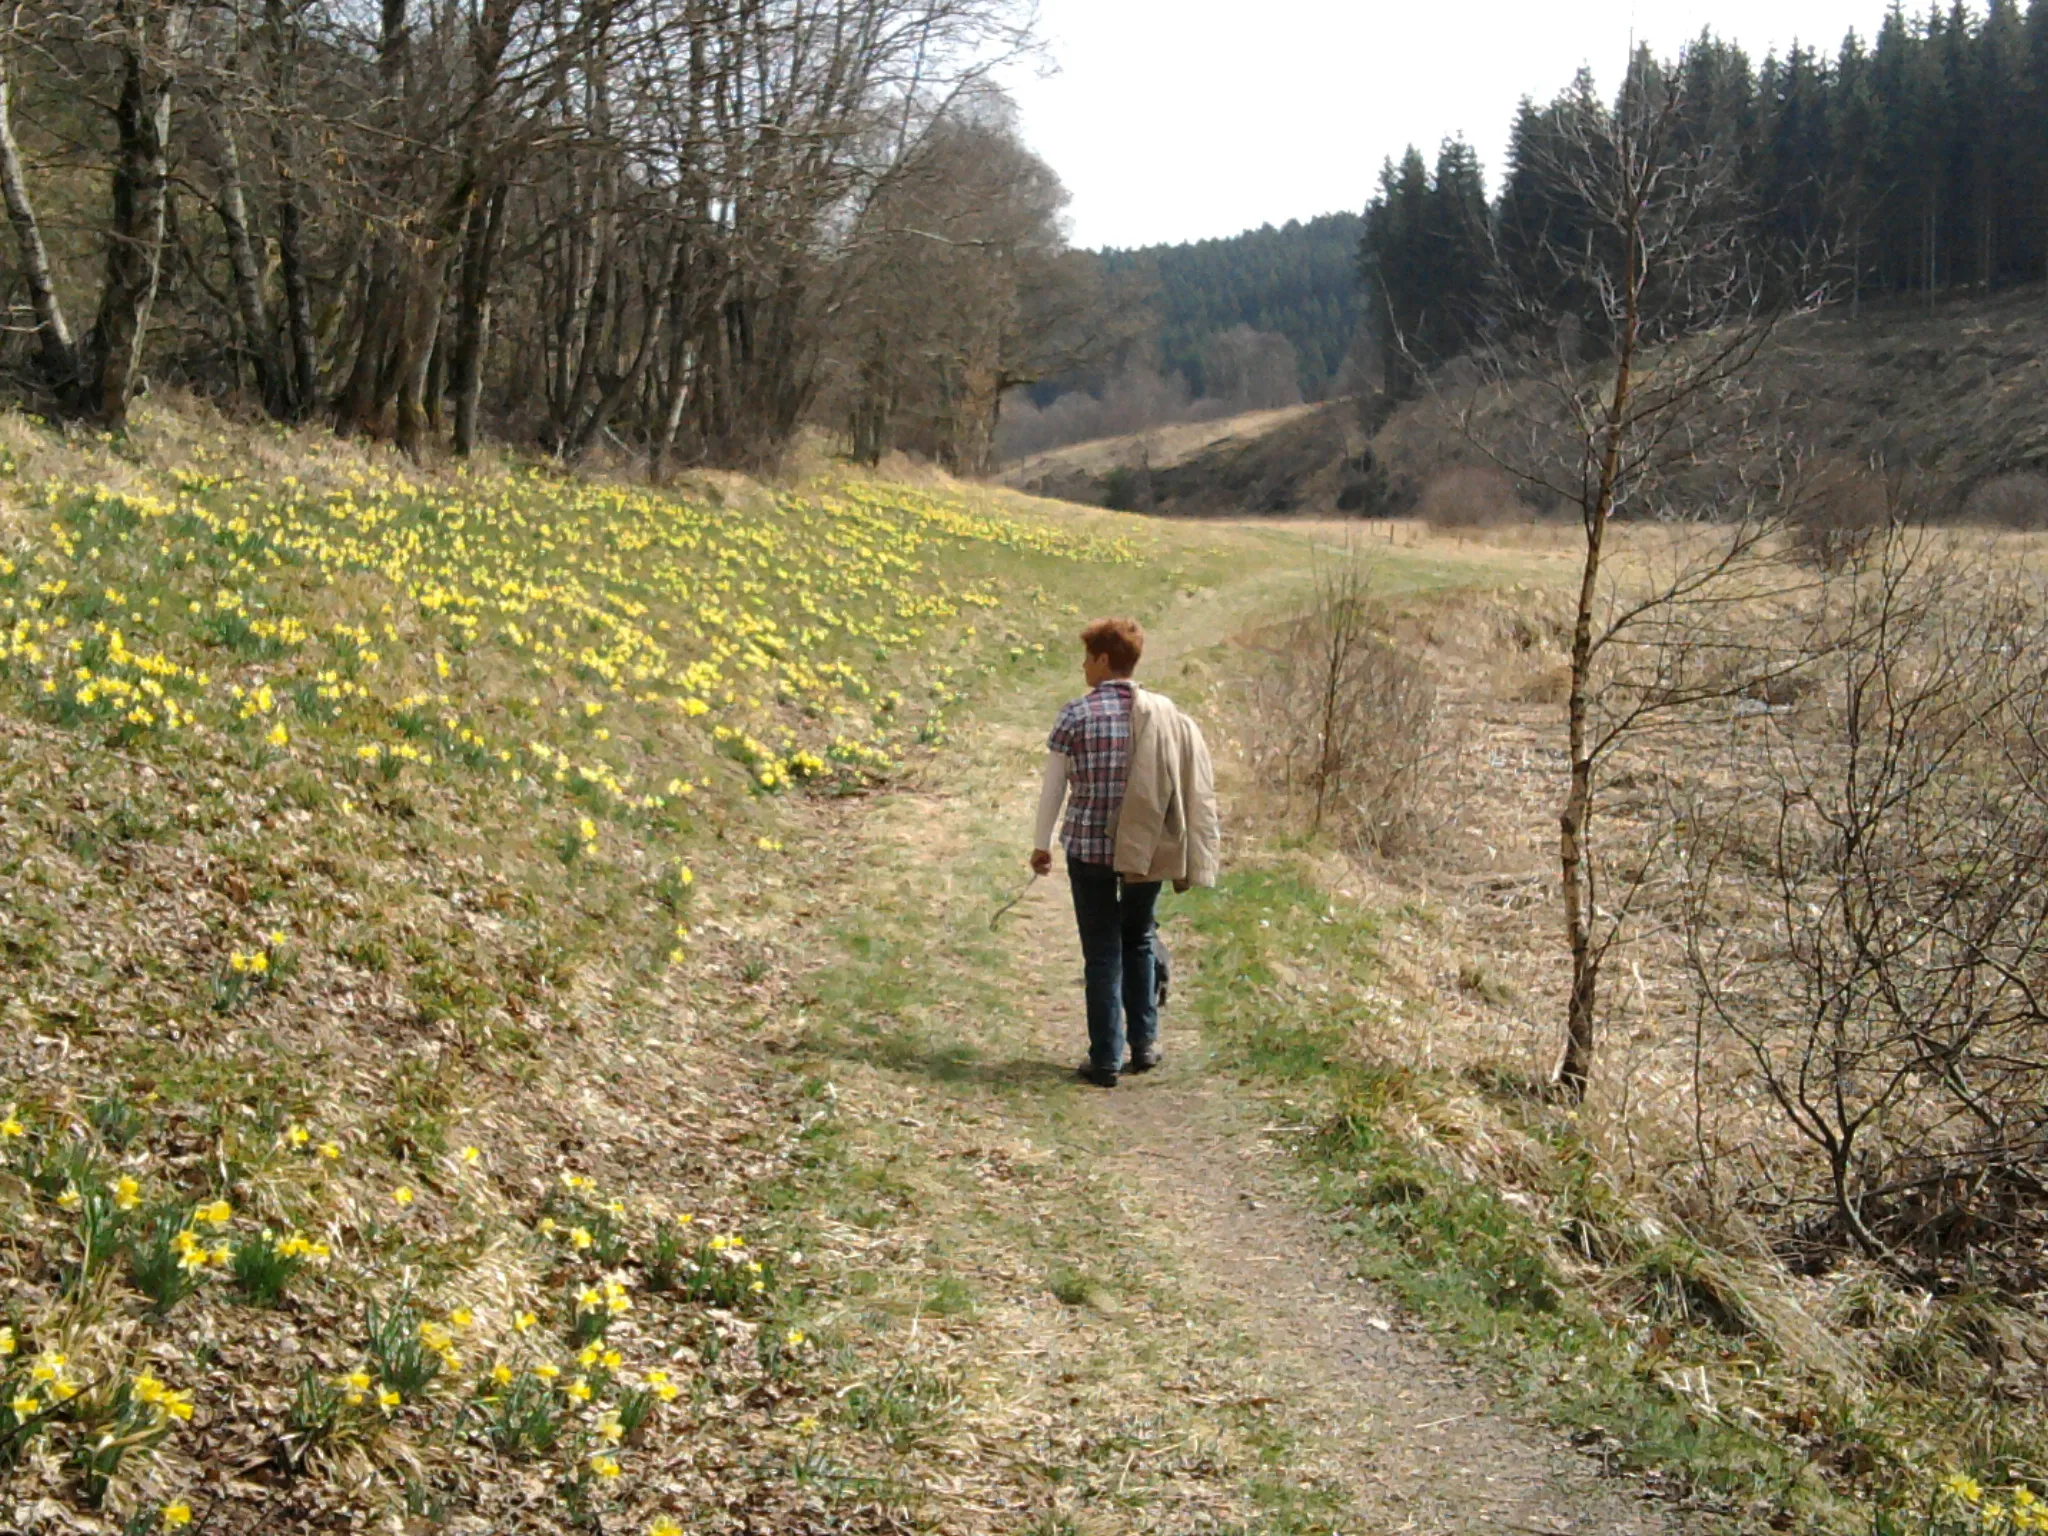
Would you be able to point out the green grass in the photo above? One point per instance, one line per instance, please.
(1469, 1262)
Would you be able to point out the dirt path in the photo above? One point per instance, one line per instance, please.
(1420, 1445)
(1230, 1295)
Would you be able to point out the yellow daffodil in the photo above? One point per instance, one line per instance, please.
(402, 1196)
(176, 1514)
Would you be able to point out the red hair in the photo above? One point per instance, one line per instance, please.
(1120, 642)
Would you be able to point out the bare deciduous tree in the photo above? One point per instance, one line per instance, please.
(647, 221)
(1680, 301)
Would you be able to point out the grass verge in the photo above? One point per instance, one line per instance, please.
(1472, 1203)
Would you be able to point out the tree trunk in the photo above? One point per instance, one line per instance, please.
(426, 275)
(608, 402)
(248, 272)
(142, 118)
(357, 408)
(1575, 1069)
(60, 352)
(486, 225)
(677, 384)
(291, 259)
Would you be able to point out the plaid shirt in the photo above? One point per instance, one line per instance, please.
(1095, 734)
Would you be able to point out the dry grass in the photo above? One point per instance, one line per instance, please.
(1472, 988)
(1163, 447)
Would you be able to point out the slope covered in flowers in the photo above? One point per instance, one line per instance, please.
(381, 855)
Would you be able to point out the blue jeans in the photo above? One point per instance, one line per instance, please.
(1115, 918)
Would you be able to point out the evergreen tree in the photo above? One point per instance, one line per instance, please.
(2004, 190)
(2032, 237)
(1298, 281)
(1427, 260)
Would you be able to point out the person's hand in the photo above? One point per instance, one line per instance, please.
(1041, 861)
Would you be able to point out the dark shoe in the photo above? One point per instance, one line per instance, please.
(1101, 1078)
(1144, 1063)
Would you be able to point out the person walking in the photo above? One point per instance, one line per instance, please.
(1139, 790)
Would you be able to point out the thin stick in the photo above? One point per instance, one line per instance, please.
(1005, 907)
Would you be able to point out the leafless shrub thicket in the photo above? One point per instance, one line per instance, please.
(1347, 721)
(2016, 500)
(1247, 370)
(1138, 396)
(1864, 878)
(1470, 497)
(1846, 506)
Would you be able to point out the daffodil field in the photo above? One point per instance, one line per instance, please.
(370, 841)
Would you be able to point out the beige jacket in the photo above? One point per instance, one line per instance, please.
(1167, 828)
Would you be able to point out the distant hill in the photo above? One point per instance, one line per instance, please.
(1299, 281)
(1950, 395)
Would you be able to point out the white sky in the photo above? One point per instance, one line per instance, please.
(1176, 120)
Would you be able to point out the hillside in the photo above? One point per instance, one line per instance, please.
(390, 862)
(517, 1024)
(1954, 394)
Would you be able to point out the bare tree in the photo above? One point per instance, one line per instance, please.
(958, 288)
(638, 220)
(1663, 270)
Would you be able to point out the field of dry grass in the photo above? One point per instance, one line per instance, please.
(1162, 447)
(1663, 1195)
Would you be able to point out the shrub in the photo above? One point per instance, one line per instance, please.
(1470, 497)
(1348, 721)
(1837, 510)
(2017, 500)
